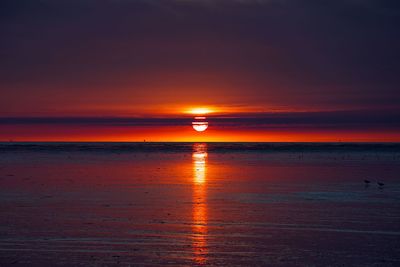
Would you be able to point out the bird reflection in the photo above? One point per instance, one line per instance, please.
(199, 202)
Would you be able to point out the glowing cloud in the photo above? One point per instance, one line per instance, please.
(200, 110)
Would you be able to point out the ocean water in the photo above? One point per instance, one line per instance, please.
(185, 204)
(119, 147)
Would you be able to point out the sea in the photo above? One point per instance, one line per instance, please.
(199, 204)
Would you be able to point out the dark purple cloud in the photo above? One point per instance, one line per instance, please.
(349, 120)
(304, 53)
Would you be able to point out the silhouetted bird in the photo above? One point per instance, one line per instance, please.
(380, 184)
(367, 182)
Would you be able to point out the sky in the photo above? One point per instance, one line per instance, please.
(270, 70)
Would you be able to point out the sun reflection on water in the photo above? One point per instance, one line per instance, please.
(199, 202)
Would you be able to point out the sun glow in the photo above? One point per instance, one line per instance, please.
(200, 110)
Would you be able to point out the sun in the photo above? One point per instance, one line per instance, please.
(200, 124)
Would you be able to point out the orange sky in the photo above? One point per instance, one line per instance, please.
(281, 70)
(186, 134)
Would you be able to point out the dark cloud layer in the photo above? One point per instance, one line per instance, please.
(349, 120)
(295, 53)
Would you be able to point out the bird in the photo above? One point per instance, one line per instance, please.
(367, 182)
(380, 184)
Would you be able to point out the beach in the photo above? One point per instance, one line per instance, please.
(214, 204)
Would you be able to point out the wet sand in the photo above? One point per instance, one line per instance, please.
(199, 207)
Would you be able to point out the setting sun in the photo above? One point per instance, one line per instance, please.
(200, 124)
